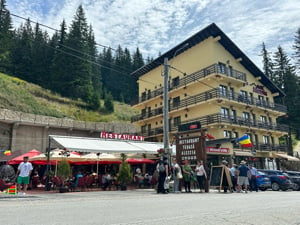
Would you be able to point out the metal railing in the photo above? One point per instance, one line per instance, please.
(265, 147)
(213, 69)
(220, 119)
(211, 94)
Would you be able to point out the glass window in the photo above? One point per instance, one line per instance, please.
(224, 112)
(266, 140)
(227, 134)
(223, 90)
(177, 121)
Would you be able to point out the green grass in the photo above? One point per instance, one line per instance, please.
(19, 95)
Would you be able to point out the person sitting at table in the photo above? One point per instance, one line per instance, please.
(106, 181)
(76, 178)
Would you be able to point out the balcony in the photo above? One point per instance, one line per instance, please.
(188, 79)
(219, 119)
(212, 94)
(265, 147)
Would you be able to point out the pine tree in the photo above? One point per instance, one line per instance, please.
(106, 62)
(6, 35)
(21, 53)
(40, 58)
(296, 46)
(59, 67)
(78, 80)
(267, 62)
(108, 103)
(282, 66)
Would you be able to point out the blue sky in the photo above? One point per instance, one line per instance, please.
(158, 25)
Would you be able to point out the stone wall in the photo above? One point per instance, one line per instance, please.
(25, 131)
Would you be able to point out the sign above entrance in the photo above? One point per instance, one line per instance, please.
(189, 126)
(121, 136)
(217, 150)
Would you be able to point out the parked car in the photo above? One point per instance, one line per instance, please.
(278, 180)
(295, 178)
(263, 182)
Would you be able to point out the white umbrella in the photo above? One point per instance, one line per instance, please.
(100, 157)
(56, 155)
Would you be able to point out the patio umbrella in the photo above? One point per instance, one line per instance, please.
(139, 161)
(94, 158)
(19, 159)
(55, 157)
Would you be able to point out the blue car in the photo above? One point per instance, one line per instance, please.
(278, 180)
(263, 182)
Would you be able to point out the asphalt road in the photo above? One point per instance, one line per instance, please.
(148, 208)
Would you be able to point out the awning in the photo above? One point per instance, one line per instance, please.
(242, 153)
(284, 156)
(84, 144)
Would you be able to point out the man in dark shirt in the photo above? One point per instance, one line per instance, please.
(243, 176)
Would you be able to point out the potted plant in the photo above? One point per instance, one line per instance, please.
(63, 171)
(124, 175)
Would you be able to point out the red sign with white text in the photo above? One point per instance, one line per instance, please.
(121, 136)
(217, 150)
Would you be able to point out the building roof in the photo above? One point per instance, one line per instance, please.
(214, 31)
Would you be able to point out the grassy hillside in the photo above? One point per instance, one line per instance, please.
(18, 95)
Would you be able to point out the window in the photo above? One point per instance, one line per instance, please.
(227, 134)
(143, 112)
(261, 100)
(224, 112)
(231, 93)
(243, 96)
(143, 129)
(175, 81)
(233, 115)
(263, 119)
(223, 90)
(149, 112)
(235, 134)
(222, 68)
(149, 94)
(251, 97)
(246, 116)
(176, 102)
(144, 94)
(266, 140)
(230, 72)
(177, 121)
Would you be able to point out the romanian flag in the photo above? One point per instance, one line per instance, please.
(245, 141)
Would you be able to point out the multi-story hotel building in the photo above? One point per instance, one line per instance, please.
(212, 81)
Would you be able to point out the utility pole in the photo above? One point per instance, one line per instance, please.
(290, 144)
(166, 111)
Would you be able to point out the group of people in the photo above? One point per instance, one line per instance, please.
(176, 172)
(243, 177)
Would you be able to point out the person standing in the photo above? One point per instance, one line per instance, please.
(187, 176)
(233, 172)
(201, 175)
(253, 171)
(163, 173)
(243, 175)
(225, 184)
(23, 174)
(177, 175)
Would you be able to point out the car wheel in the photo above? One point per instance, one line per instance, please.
(263, 189)
(275, 186)
(296, 187)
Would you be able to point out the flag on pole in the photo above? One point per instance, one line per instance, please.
(245, 141)
(210, 136)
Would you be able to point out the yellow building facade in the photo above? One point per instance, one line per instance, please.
(212, 81)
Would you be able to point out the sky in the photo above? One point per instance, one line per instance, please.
(155, 26)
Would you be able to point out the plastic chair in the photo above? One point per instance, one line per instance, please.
(4, 185)
(81, 183)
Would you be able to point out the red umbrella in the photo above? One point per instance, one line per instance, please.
(19, 159)
(139, 161)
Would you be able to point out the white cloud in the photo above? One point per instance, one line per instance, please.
(158, 25)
